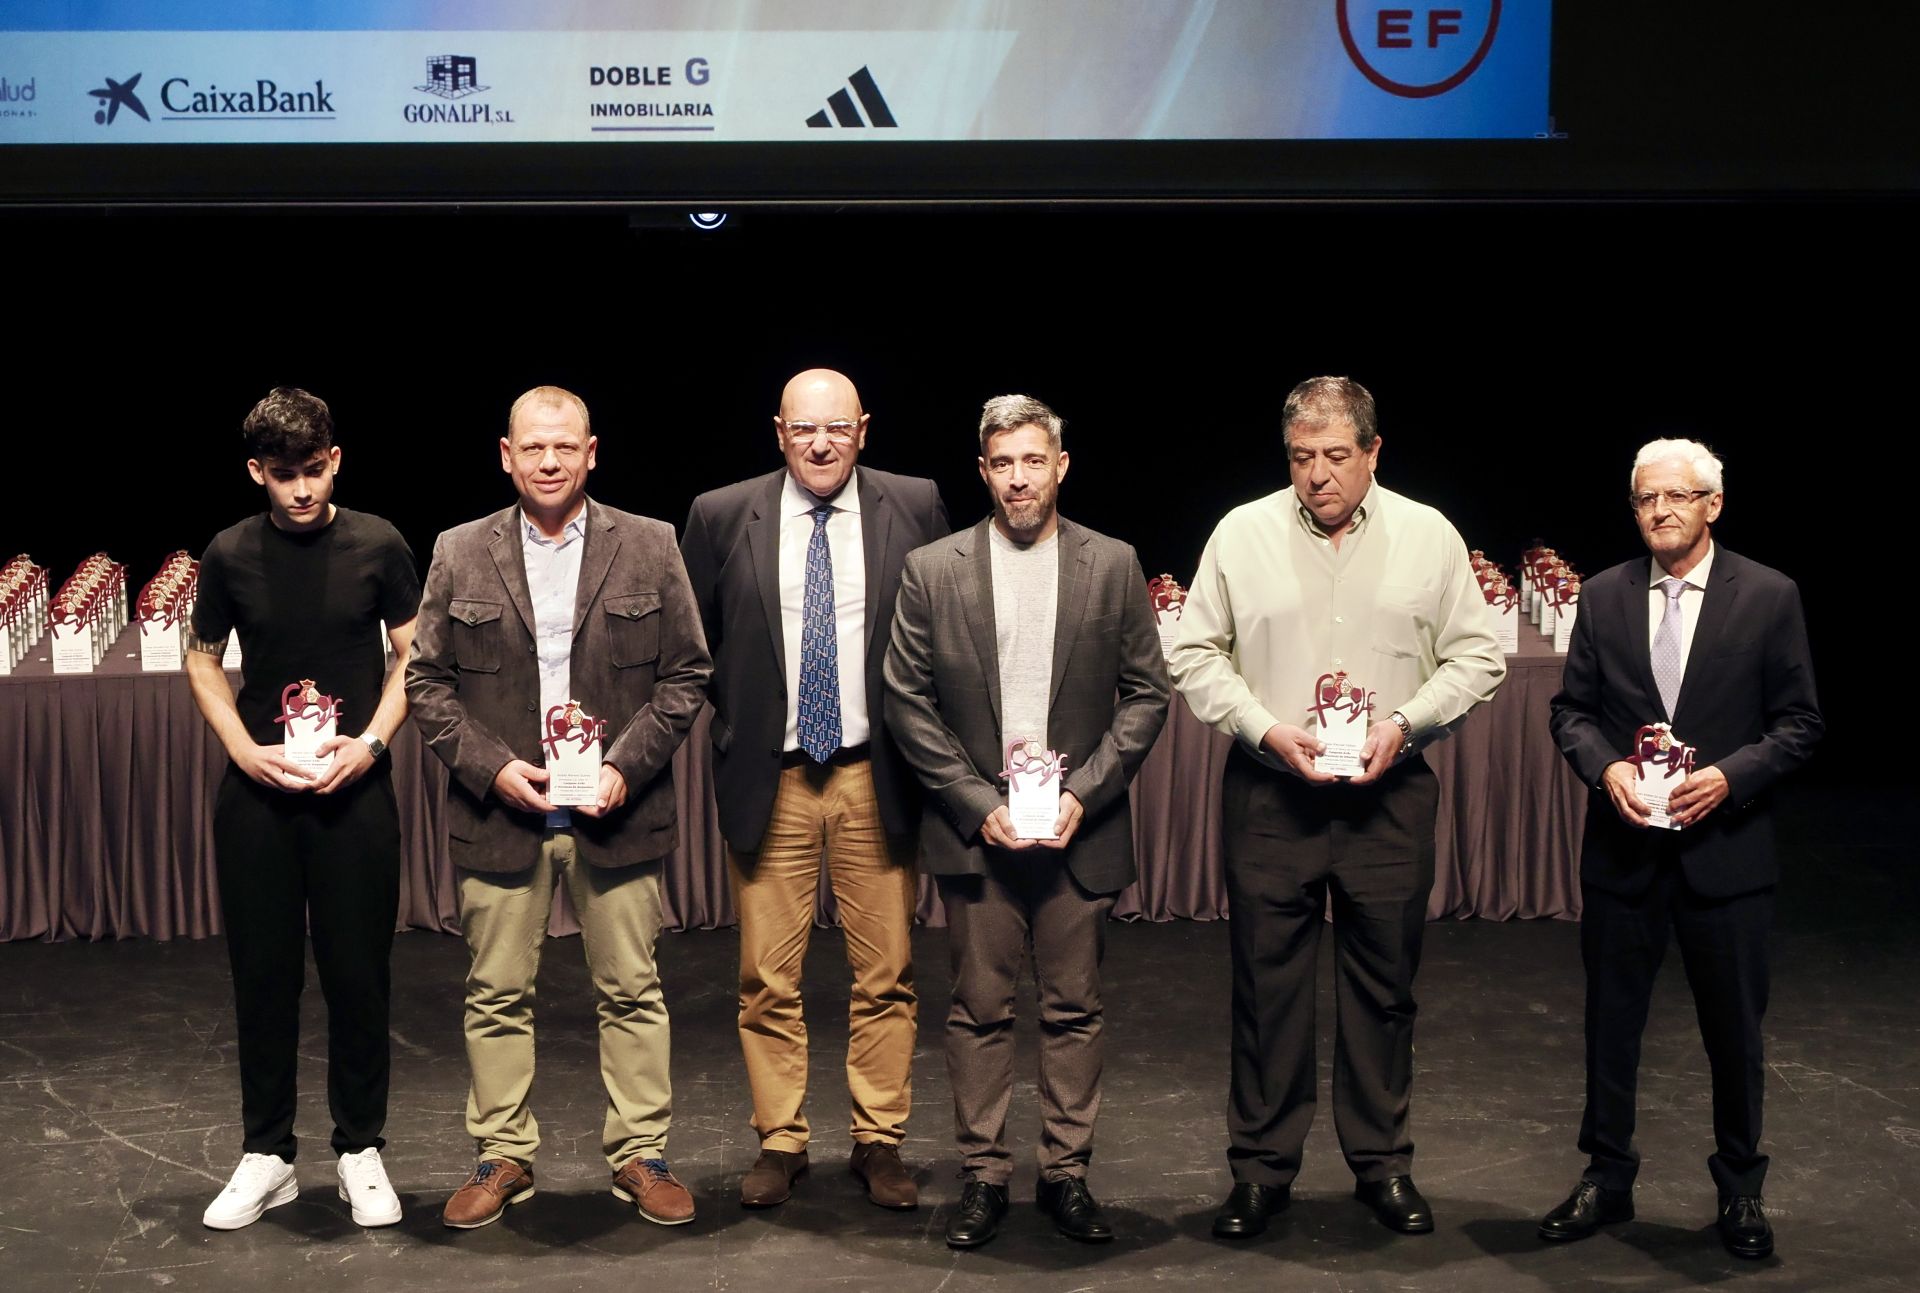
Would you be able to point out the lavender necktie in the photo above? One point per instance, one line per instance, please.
(819, 649)
(1666, 645)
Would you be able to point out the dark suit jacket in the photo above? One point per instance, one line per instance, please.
(732, 551)
(473, 680)
(1746, 703)
(1108, 702)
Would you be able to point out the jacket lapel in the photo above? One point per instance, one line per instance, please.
(975, 581)
(1076, 578)
(763, 538)
(504, 548)
(1633, 610)
(1716, 606)
(595, 560)
(876, 523)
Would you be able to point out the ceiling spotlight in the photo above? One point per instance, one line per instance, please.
(707, 219)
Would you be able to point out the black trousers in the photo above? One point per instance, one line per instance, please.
(1288, 846)
(1723, 945)
(290, 863)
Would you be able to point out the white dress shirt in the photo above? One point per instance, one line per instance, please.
(846, 546)
(1696, 588)
(553, 582)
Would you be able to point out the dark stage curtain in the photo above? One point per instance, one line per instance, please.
(107, 780)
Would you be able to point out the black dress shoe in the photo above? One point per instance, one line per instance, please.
(1744, 1227)
(1588, 1208)
(978, 1217)
(1397, 1203)
(1246, 1210)
(1075, 1214)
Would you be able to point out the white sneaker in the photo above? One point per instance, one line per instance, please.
(363, 1184)
(261, 1181)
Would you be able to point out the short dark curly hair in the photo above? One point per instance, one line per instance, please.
(289, 425)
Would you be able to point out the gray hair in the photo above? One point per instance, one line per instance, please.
(1011, 412)
(1705, 465)
(1319, 401)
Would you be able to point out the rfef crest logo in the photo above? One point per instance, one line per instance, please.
(1414, 49)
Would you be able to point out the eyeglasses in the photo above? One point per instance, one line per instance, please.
(1671, 497)
(837, 432)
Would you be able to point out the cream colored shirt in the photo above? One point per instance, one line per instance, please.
(1275, 605)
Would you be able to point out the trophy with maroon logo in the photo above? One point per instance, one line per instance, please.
(23, 609)
(1662, 762)
(1503, 600)
(1566, 607)
(1033, 775)
(573, 744)
(1169, 604)
(1341, 709)
(87, 614)
(163, 609)
(309, 719)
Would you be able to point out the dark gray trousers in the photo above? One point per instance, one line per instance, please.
(1028, 904)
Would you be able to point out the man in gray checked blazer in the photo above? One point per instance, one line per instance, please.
(559, 599)
(1026, 627)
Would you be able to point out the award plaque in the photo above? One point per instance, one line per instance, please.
(1033, 788)
(73, 635)
(162, 611)
(1340, 712)
(230, 658)
(1662, 762)
(1169, 603)
(309, 720)
(1568, 592)
(572, 742)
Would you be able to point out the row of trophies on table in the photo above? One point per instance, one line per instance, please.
(1546, 596)
(88, 613)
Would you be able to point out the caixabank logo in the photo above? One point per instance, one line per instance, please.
(1414, 50)
(181, 99)
(452, 81)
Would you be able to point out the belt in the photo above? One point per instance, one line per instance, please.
(839, 758)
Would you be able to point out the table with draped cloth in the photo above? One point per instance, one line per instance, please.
(107, 781)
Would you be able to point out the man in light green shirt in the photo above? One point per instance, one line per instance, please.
(1337, 575)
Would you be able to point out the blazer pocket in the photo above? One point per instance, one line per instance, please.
(633, 629)
(476, 634)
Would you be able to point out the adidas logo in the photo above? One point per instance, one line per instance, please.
(840, 104)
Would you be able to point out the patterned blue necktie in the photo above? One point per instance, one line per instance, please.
(1666, 645)
(819, 649)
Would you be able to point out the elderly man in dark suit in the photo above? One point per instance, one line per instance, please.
(1714, 645)
(1025, 629)
(555, 600)
(795, 574)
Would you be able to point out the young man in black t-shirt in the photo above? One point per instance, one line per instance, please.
(305, 585)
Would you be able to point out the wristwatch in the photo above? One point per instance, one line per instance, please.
(377, 746)
(1406, 732)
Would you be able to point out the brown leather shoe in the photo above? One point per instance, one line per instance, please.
(651, 1186)
(495, 1183)
(770, 1180)
(885, 1176)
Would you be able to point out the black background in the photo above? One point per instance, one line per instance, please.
(1519, 349)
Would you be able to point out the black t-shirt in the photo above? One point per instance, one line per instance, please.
(307, 605)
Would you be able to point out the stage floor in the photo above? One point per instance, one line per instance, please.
(118, 1100)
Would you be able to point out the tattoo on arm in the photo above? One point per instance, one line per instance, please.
(197, 643)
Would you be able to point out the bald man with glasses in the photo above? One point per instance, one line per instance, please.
(795, 573)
